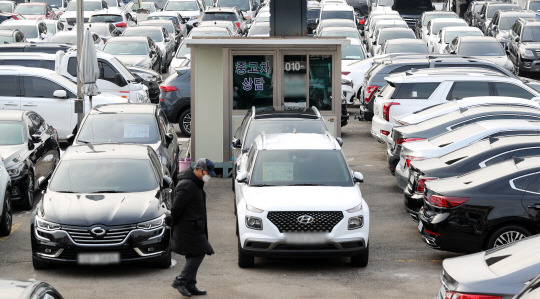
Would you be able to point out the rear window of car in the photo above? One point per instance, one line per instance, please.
(505, 260)
(220, 16)
(347, 15)
(420, 91)
(106, 18)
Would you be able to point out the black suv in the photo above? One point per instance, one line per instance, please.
(411, 10)
(524, 46)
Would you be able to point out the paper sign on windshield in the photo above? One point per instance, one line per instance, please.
(278, 171)
(136, 131)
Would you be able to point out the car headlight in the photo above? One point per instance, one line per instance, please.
(158, 222)
(254, 222)
(356, 222)
(15, 170)
(193, 18)
(527, 53)
(140, 98)
(358, 208)
(253, 209)
(46, 225)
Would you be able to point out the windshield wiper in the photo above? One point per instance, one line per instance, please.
(65, 191)
(107, 191)
(262, 185)
(307, 184)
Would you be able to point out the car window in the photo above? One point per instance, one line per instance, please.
(510, 90)
(106, 71)
(9, 86)
(124, 127)
(35, 87)
(23, 62)
(462, 90)
(521, 183)
(419, 91)
(498, 158)
(37, 122)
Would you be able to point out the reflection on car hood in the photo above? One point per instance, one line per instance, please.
(132, 59)
(533, 45)
(12, 154)
(102, 208)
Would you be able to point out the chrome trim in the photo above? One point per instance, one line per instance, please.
(158, 236)
(140, 253)
(514, 186)
(57, 254)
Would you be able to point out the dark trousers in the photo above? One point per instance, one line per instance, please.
(188, 276)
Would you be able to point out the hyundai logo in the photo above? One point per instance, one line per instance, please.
(98, 231)
(305, 219)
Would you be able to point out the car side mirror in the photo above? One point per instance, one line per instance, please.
(41, 182)
(70, 138)
(169, 137)
(339, 141)
(167, 181)
(242, 177)
(36, 138)
(358, 177)
(236, 143)
(516, 39)
(494, 28)
(62, 94)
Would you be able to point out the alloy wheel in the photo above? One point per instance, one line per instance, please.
(508, 237)
(186, 122)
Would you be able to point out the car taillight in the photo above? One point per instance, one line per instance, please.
(345, 73)
(370, 91)
(178, 26)
(408, 159)
(446, 201)
(238, 25)
(421, 185)
(455, 295)
(386, 110)
(122, 25)
(168, 88)
(403, 140)
(361, 21)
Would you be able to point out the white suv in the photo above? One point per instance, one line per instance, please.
(296, 196)
(418, 89)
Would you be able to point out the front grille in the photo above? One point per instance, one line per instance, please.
(410, 21)
(288, 221)
(113, 235)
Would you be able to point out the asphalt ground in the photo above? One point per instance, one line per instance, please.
(400, 264)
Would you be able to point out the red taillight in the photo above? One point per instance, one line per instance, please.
(179, 26)
(123, 24)
(361, 21)
(408, 159)
(238, 25)
(168, 88)
(345, 73)
(370, 91)
(385, 133)
(386, 110)
(455, 295)
(421, 185)
(403, 140)
(446, 201)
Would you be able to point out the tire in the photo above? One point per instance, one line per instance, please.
(39, 264)
(184, 122)
(361, 260)
(506, 235)
(164, 262)
(244, 260)
(6, 220)
(28, 201)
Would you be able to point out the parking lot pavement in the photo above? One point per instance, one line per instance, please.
(400, 264)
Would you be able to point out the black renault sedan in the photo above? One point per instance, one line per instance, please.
(483, 209)
(105, 204)
(29, 147)
(477, 155)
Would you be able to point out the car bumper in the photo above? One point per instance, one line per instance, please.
(381, 129)
(346, 249)
(413, 202)
(18, 187)
(529, 65)
(402, 175)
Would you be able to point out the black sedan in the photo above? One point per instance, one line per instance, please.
(25, 289)
(29, 147)
(499, 273)
(451, 121)
(105, 204)
(175, 99)
(477, 155)
(483, 209)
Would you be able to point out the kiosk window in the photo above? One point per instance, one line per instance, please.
(320, 81)
(252, 81)
(294, 81)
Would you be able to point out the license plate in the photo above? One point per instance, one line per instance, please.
(98, 258)
(305, 238)
(420, 225)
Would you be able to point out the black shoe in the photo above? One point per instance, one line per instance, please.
(183, 290)
(194, 291)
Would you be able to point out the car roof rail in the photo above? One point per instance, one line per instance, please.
(332, 139)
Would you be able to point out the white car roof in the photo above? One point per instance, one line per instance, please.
(164, 13)
(461, 29)
(296, 141)
(508, 123)
(447, 74)
(22, 22)
(336, 7)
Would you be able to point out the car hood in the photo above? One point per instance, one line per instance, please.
(533, 45)
(298, 198)
(104, 208)
(34, 17)
(132, 59)
(13, 154)
(503, 33)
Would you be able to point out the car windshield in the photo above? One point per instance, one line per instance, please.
(481, 49)
(429, 17)
(12, 133)
(88, 6)
(220, 16)
(6, 7)
(106, 19)
(450, 35)
(242, 5)
(64, 39)
(109, 175)
(120, 128)
(492, 9)
(51, 28)
(345, 33)
(300, 167)
(29, 31)
(156, 34)
(435, 28)
(505, 260)
(534, 5)
(285, 126)
(169, 26)
(406, 48)
(111, 3)
(505, 23)
(6, 39)
(386, 35)
(181, 6)
(126, 48)
(417, 4)
(30, 9)
(477, 8)
(333, 14)
(531, 34)
(352, 52)
(52, 3)
(183, 51)
(455, 135)
(313, 13)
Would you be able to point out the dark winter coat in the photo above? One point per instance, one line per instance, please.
(190, 232)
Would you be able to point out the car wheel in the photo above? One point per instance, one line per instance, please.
(360, 260)
(506, 235)
(7, 216)
(185, 122)
(39, 264)
(244, 260)
(28, 201)
(164, 262)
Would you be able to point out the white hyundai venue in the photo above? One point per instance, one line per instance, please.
(296, 196)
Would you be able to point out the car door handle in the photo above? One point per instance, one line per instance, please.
(29, 105)
(10, 104)
(535, 206)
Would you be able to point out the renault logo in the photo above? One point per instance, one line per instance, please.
(305, 219)
(98, 231)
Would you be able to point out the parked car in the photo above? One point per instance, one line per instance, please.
(334, 23)
(58, 6)
(232, 14)
(121, 20)
(403, 45)
(211, 32)
(35, 11)
(483, 18)
(69, 17)
(8, 36)
(448, 34)
(261, 29)
(139, 124)
(33, 30)
(379, 24)
(435, 25)
(177, 20)
(481, 47)
(175, 99)
(70, 38)
(312, 16)
(54, 26)
(27, 289)
(136, 51)
(385, 34)
(351, 33)
(161, 39)
(478, 155)
(470, 14)
(523, 44)
(10, 16)
(6, 211)
(7, 6)
(412, 10)
(421, 25)
(191, 10)
(272, 220)
(119, 196)
(498, 273)
(104, 30)
(502, 22)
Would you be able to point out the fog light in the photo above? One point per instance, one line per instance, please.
(254, 222)
(527, 64)
(356, 222)
(150, 249)
(48, 250)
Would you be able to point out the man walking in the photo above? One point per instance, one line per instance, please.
(190, 232)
